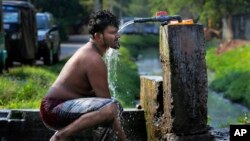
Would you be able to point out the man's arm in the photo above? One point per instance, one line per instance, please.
(98, 77)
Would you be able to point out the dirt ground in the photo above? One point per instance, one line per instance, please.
(231, 44)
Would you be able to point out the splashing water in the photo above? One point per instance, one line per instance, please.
(111, 59)
(125, 25)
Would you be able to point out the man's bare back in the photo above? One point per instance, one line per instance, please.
(87, 63)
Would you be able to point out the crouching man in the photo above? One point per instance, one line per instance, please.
(80, 99)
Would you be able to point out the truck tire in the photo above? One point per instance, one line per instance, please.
(47, 57)
(1, 67)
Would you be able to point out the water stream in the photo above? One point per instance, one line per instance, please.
(111, 58)
(125, 25)
(223, 112)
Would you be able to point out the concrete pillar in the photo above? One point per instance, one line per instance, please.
(151, 100)
(185, 89)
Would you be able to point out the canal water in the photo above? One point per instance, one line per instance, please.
(221, 112)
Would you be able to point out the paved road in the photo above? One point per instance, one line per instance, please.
(69, 47)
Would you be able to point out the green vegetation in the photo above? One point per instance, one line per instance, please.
(23, 87)
(68, 14)
(245, 119)
(128, 89)
(232, 73)
(135, 43)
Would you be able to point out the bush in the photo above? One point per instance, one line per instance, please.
(232, 73)
(135, 43)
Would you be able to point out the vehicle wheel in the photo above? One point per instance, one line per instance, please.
(9, 62)
(56, 56)
(30, 62)
(47, 57)
(1, 67)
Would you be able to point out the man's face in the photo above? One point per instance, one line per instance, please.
(111, 37)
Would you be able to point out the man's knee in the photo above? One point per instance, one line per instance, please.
(111, 111)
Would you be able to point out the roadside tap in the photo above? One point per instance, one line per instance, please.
(161, 16)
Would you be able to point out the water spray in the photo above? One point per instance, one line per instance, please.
(161, 16)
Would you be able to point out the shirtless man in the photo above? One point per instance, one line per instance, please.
(79, 98)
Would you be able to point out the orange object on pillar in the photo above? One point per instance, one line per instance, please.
(161, 13)
(186, 21)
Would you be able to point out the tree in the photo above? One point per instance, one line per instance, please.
(186, 9)
(70, 15)
(216, 10)
(138, 8)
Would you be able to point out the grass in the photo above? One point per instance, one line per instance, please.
(23, 87)
(232, 73)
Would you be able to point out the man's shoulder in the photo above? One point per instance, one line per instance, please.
(88, 58)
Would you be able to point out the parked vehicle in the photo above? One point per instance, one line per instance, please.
(49, 47)
(19, 23)
(3, 53)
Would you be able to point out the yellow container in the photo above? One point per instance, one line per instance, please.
(184, 22)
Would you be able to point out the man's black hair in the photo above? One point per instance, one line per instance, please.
(100, 20)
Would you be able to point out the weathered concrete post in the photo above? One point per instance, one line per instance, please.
(185, 91)
(151, 100)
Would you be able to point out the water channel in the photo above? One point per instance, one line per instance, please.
(221, 112)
